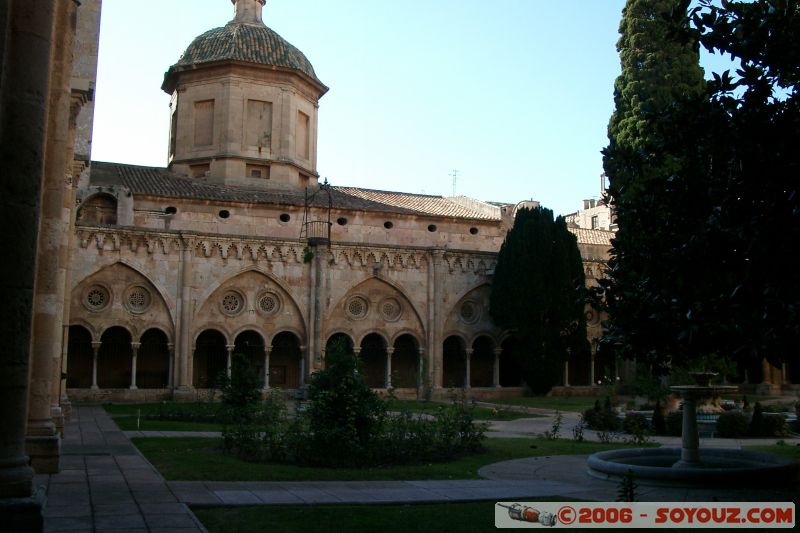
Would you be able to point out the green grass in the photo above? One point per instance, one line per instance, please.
(481, 413)
(561, 403)
(472, 516)
(128, 423)
(789, 450)
(198, 459)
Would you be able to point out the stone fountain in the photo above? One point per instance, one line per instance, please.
(689, 465)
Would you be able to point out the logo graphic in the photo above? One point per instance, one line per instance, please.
(523, 513)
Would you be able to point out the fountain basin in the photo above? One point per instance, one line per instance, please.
(717, 467)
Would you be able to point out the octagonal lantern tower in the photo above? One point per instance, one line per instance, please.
(244, 107)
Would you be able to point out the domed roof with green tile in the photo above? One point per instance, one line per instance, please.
(246, 39)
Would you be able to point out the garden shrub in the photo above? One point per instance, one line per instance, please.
(637, 427)
(757, 421)
(240, 409)
(674, 423)
(602, 418)
(732, 425)
(766, 424)
(659, 423)
(344, 414)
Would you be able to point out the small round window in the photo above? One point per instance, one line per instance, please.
(224, 214)
(137, 299)
(390, 309)
(341, 221)
(285, 217)
(171, 210)
(97, 298)
(232, 303)
(269, 303)
(388, 224)
(357, 307)
(469, 312)
(473, 231)
(432, 228)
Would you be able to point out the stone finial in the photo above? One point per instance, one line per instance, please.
(248, 11)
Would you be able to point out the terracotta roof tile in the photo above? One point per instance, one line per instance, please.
(593, 236)
(156, 181)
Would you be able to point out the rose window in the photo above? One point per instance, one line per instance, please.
(232, 303)
(97, 298)
(357, 307)
(268, 304)
(390, 309)
(469, 312)
(137, 299)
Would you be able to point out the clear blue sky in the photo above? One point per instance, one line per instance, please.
(515, 94)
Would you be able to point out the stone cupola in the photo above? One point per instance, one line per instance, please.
(244, 107)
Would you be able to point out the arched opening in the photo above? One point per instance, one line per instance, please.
(251, 345)
(336, 337)
(482, 362)
(152, 361)
(284, 361)
(510, 370)
(373, 360)
(405, 362)
(115, 359)
(454, 369)
(80, 357)
(99, 209)
(210, 359)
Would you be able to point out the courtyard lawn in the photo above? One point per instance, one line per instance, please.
(128, 423)
(481, 413)
(198, 459)
(790, 450)
(435, 517)
(577, 404)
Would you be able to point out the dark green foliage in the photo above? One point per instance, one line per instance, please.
(241, 396)
(757, 421)
(345, 414)
(602, 419)
(732, 425)
(659, 423)
(626, 492)
(657, 69)
(706, 195)
(675, 423)
(538, 292)
(637, 427)
(206, 411)
(745, 403)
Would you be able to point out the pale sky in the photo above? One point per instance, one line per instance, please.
(514, 94)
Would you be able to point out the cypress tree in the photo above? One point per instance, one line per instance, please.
(538, 293)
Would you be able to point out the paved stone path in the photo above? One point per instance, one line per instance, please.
(106, 485)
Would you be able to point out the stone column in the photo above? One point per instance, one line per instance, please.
(566, 373)
(303, 355)
(468, 368)
(784, 375)
(134, 354)
(185, 348)
(690, 447)
(171, 369)
(389, 353)
(26, 41)
(420, 370)
(228, 359)
(267, 352)
(496, 368)
(591, 365)
(95, 352)
(43, 443)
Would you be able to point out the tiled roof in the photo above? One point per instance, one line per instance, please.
(420, 203)
(251, 43)
(593, 236)
(156, 181)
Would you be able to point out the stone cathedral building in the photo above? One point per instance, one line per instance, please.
(236, 247)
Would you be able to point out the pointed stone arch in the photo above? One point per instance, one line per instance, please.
(375, 305)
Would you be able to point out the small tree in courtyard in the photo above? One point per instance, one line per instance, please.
(538, 292)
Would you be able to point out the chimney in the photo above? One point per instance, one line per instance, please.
(248, 11)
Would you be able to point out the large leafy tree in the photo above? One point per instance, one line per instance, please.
(538, 293)
(706, 199)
